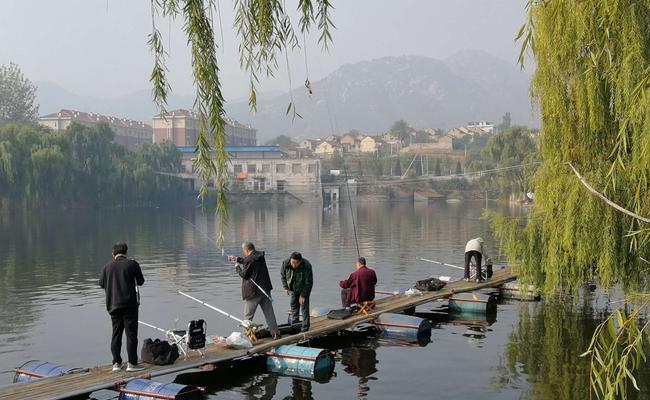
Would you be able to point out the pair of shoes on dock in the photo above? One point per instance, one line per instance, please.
(129, 367)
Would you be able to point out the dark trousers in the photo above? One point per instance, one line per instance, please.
(477, 260)
(296, 307)
(344, 297)
(125, 320)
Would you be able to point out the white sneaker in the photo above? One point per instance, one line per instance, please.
(117, 367)
(133, 367)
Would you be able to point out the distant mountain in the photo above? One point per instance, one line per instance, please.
(137, 105)
(370, 95)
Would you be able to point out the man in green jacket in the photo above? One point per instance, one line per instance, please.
(297, 280)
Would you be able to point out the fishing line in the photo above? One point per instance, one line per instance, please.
(332, 117)
(223, 254)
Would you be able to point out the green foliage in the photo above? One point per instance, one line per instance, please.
(505, 122)
(282, 140)
(82, 167)
(398, 167)
(401, 130)
(616, 350)
(509, 148)
(17, 96)
(592, 84)
(459, 168)
(265, 32)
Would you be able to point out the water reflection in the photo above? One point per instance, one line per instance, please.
(544, 350)
(300, 390)
(362, 363)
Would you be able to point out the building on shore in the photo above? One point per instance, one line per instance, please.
(437, 145)
(181, 127)
(485, 126)
(266, 170)
(128, 133)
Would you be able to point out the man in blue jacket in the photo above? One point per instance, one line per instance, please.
(119, 279)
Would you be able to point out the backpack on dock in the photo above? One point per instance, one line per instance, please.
(159, 352)
(429, 285)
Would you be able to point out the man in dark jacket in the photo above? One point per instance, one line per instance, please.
(256, 286)
(119, 279)
(297, 280)
(360, 286)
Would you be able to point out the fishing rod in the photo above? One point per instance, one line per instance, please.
(223, 253)
(241, 322)
(268, 296)
(204, 234)
(441, 263)
(155, 327)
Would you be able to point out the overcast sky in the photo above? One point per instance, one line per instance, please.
(98, 47)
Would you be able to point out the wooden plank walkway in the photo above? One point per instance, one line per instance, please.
(101, 377)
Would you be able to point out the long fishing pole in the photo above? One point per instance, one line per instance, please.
(441, 263)
(211, 307)
(268, 296)
(222, 253)
(200, 231)
(354, 226)
(153, 327)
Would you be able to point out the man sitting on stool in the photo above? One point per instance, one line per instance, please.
(360, 286)
(474, 248)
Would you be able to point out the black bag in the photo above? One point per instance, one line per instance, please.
(158, 352)
(342, 313)
(429, 285)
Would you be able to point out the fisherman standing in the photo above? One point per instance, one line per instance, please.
(298, 280)
(256, 286)
(360, 286)
(119, 279)
(474, 248)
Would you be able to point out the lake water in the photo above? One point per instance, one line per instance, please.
(52, 309)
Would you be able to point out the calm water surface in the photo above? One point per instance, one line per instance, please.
(51, 308)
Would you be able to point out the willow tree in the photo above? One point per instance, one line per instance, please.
(592, 89)
(266, 32)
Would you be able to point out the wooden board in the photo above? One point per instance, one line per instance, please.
(101, 377)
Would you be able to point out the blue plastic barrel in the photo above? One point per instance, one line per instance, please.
(402, 326)
(513, 290)
(473, 302)
(304, 362)
(35, 369)
(144, 389)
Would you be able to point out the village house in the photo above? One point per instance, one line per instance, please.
(327, 149)
(371, 144)
(309, 144)
(350, 143)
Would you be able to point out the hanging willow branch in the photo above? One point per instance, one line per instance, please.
(265, 30)
(616, 350)
(605, 199)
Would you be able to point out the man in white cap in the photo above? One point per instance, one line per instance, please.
(474, 248)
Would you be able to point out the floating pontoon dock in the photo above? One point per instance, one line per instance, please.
(98, 378)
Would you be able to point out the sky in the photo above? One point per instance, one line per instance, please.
(99, 47)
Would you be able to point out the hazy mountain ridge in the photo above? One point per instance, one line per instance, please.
(371, 95)
(368, 95)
